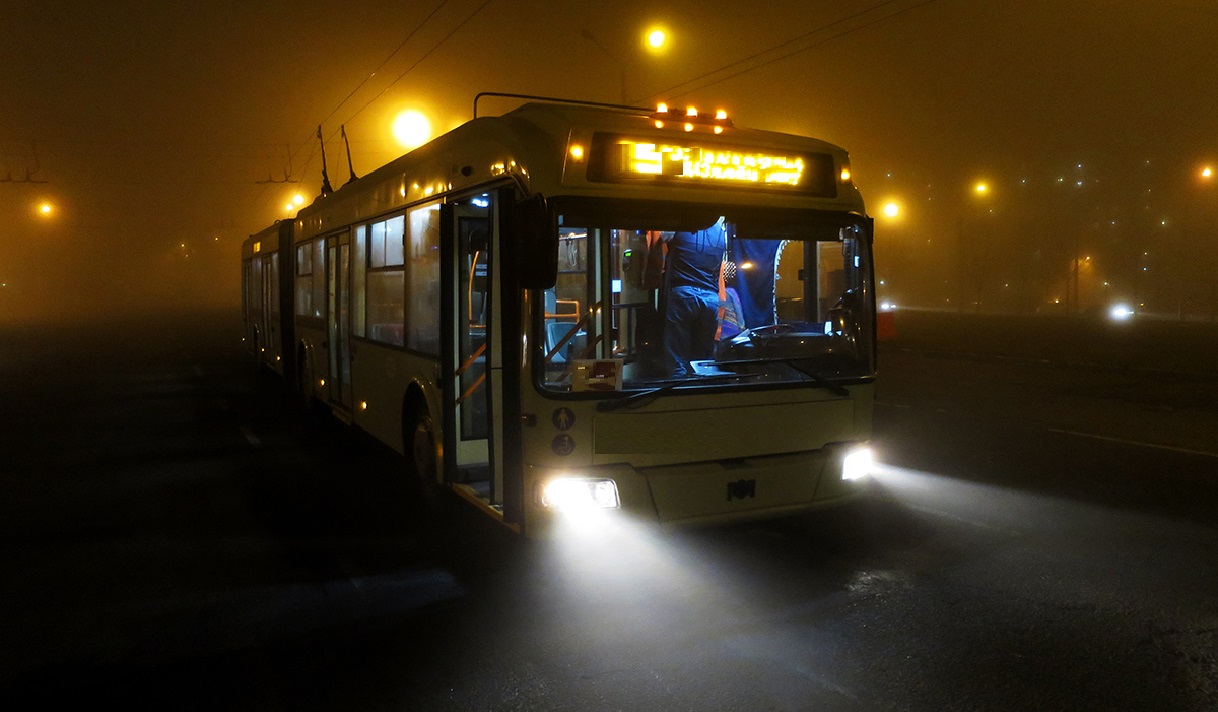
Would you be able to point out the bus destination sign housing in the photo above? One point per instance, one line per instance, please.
(623, 159)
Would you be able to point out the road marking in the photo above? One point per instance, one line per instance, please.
(1137, 443)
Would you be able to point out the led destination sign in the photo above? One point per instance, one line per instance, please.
(616, 158)
(710, 164)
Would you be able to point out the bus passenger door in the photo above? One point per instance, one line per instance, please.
(472, 333)
(338, 318)
(270, 309)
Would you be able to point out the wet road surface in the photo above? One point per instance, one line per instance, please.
(179, 535)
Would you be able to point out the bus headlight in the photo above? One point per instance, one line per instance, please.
(857, 463)
(576, 493)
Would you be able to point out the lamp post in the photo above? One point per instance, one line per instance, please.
(1206, 175)
(655, 40)
(980, 191)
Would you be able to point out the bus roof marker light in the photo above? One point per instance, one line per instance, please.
(845, 174)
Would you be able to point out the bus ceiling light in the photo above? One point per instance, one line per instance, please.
(577, 152)
(579, 494)
(857, 463)
(661, 108)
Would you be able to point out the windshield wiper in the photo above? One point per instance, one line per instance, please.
(818, 378)
(642, 398)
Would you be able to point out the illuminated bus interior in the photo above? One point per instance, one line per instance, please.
(793, 300)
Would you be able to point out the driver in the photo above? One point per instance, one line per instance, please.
(694, 283)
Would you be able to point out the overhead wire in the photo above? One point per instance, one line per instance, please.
(380, 66)
(308, 141)
(419, 61)
(313, 152)
(679, 87)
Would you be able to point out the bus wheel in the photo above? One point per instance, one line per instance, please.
(422, 459)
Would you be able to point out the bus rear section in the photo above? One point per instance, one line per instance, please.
(266, 297)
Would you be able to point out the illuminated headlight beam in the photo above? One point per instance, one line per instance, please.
(857, 463)
(579, 493)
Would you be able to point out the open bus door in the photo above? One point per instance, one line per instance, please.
(473, 335)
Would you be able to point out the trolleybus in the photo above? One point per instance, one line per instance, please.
(499, 306)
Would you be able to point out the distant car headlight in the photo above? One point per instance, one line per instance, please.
(857, 463)
(576, 493)
(1120, 312)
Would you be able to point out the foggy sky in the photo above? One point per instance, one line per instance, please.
(152, 123)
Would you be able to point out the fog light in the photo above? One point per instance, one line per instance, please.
(857, 463)
(575, 493)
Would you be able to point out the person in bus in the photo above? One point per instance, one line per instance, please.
(693, 278)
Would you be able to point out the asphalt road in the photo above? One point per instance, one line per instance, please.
(1043, 535)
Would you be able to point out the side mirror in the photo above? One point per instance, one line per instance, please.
(535, 243)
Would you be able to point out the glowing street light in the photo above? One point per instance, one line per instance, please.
(46, 209)
(981, 188)
(411, 129)
(1207, 172)
(295, 203)
(655, 41)
(891, 210)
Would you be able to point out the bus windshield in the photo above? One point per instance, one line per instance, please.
(652, 295)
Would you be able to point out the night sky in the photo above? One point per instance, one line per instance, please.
(152, 128)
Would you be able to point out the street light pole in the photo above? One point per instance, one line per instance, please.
(621, 66)
(656, 39)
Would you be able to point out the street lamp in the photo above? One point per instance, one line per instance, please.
(411, 129)
(295, 203)
(656, 40)
(1207, 177)
(966, 256)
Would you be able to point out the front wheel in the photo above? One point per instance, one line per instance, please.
(421, 459)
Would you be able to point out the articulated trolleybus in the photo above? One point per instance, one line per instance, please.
(588, 308)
